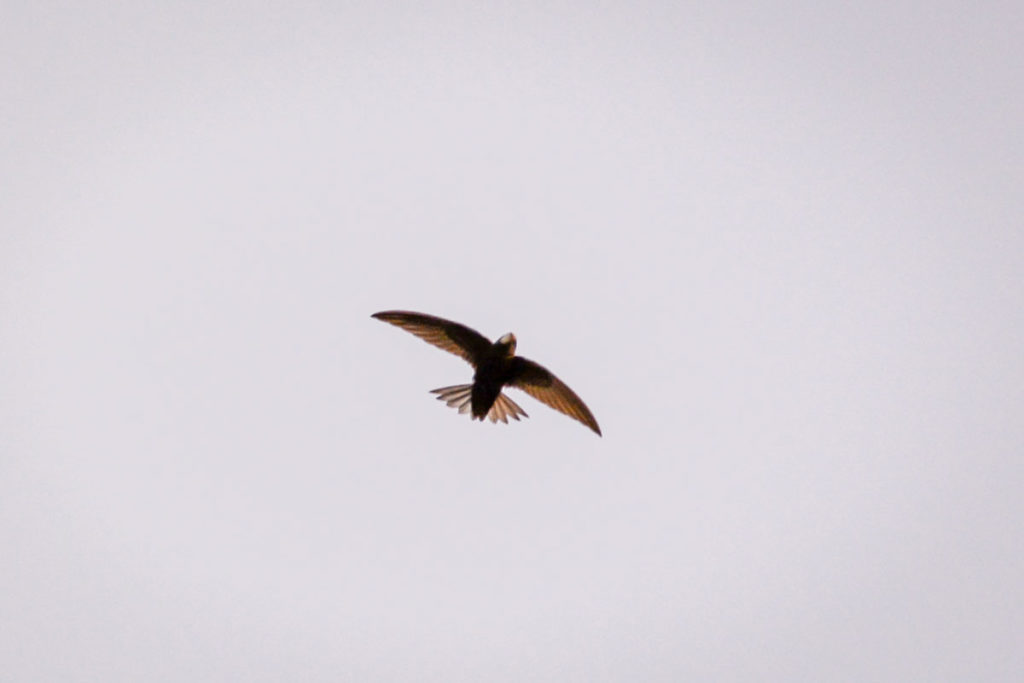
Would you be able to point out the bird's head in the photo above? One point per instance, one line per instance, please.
(509, 342)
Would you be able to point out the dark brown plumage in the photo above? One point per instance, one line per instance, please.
(496, 366)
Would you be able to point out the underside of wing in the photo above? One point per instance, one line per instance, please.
(538, 382)
(464, 342)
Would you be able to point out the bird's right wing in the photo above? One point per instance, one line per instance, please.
(468, 344)
(539, 382)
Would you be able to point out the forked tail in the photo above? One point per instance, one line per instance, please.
(460, 397)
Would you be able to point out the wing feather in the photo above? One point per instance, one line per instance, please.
(464, 342)
(540, 383)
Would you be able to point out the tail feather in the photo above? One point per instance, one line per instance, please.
(460, 397)
(504, 408)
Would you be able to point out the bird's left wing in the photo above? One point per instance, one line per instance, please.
(538, 382)
(468, 344)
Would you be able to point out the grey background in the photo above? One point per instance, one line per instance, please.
(776, 247)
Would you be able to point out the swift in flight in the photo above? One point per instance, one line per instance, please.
(496, 367)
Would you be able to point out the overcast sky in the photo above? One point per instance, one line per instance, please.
(778, 249)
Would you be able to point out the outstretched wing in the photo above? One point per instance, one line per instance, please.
(538, 382)
(468, 344)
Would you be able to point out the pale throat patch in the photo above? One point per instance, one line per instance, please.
(510, 340)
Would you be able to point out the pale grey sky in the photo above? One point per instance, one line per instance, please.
(778, 248)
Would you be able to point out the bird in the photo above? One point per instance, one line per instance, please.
(496, 365)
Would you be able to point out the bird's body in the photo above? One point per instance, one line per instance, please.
(496, 366)
(493, 371)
